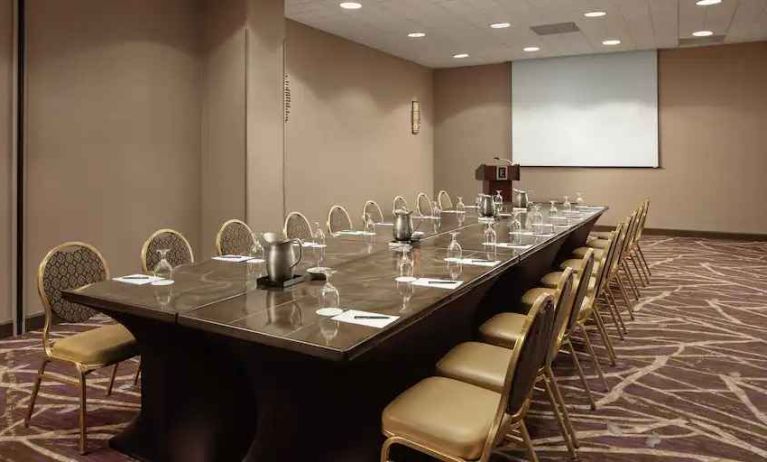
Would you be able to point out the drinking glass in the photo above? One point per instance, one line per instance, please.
(318, 235)
(163, 268)
(566, 205)
(536, 220)
(478, 200)
(405, 289)
(579, 199)
(435, 210)
(491, 238)
(460, 207)
(329, 296)
(498, 199)
(454, 250)
(553, 209)
(256, 250)
(370, 226)
(455, 268)
(328, 329)
(405, 265)
(319, 245)
(515, 229)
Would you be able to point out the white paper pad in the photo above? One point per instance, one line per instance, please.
(256, 260)
(233, 258)
(383, 223)
(474, 262)
(441, 283)
(453, 211)
(506, 245)
(426, 217)
(137, 279)
(312, 245)
(348, 316)
(354, 233)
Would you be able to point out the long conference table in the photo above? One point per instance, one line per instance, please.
(234, 372)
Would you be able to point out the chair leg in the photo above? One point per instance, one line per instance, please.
(616, 315)
(584, 382)
(528, 441)
(35, 390)
(83, 434)
(640, 269)
(594, 358)
(644, 260)
(605, 338)
(112, 379)
(138, 373)
(558, 415)
(624, 296)
(631, 281)
(385, 450)
(558, 395)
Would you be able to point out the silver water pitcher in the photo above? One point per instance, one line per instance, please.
(486, 206)
(403, 225)
(281, 257)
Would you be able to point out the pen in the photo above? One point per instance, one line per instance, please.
(371, 317)
(135, 277)
(440, 282)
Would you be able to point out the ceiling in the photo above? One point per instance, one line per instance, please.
(462, 26)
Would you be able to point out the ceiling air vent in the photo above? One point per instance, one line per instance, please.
(700, 41)
(558, 28)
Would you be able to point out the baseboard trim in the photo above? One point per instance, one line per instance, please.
(34, 322)
(695, 233)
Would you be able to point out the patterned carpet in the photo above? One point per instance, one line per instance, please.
(690, 385)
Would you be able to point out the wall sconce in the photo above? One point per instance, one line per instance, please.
(415, 117)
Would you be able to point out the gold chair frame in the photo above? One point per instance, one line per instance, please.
(338, 209)
(145, 246)
(374, 205)
(444, 200)
(424, 213)
(503, 423)
(82, 369)
(402, 204)
(297, 216)
(221, 230)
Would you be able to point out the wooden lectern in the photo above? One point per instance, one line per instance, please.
(497, 177)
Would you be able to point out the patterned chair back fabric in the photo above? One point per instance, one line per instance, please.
(69, 266)
(179, 249)
(339, 220)
(374, 210)
(234, 238)
(423, 205)
(297, 227)
(444, 200)
(399, 203)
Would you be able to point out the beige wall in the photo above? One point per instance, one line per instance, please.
(713, 136)
(113, 142)
(348, 137)
(223, 177)
(6, 154)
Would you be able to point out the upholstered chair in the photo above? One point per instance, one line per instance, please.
(297, 226)
(179, 250)
(234, 238)
(444, 200)
(338, 220)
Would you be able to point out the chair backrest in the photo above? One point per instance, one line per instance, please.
(179, 249)
(587, 269)
(444, 200)
(423, 205)
(607, 263)
(645, 209)
(68, 266)
(529, 354)
(374, 210)
(563, 306)
(399, 203)
(297, 226)
(522, 371)
(234, 238)
(338, 220)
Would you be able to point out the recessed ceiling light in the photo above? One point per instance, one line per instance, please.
(702, 33)
(500, 25)
(461, 55)
(707, 2)
(595, 14)
(530, 49)
(416, 34)
(611, 42)
(350, 5)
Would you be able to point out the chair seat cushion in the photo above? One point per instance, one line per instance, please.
(100, 346)
(551, 280)
(476, 363)
(444, 414)
(575, 264)
(503, 329)
(580, 252)
(600, 234)
(598, 244)
(532, 295)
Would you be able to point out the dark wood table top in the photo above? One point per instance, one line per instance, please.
(222, 297)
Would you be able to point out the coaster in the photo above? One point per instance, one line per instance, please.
(265, 283)
(329, 311)
(405, 279)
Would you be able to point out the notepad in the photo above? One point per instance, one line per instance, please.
(137, 279)
(474, 262)
(312, 245)
(354, 233)
(506, 245)
(437, 283)
(348, 316)
(453, 211)
(233, 258)
(384, 223)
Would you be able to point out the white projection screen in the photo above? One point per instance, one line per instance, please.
(586, 111)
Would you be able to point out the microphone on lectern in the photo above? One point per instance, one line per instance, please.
(503, 160)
